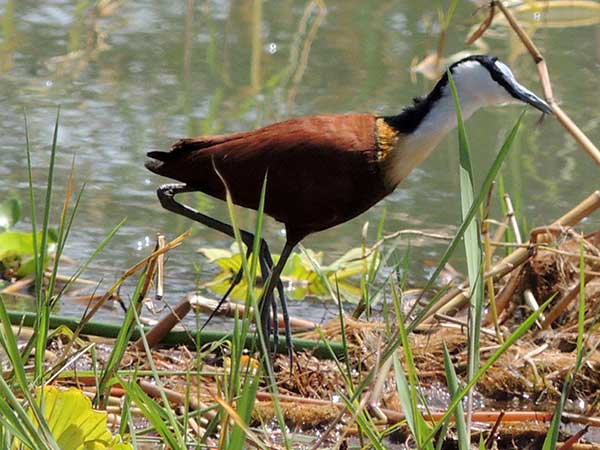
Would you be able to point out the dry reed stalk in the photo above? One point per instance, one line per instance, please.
(503, 226)
(584, 142)
(133, 269)
(506, 294)
(396, 234)
(160, 266)
(165, 325)
(461, 323)
(588, 258)
(175, 397)
(488, 254)
(230, 309)
(455, 296)
(564, 302)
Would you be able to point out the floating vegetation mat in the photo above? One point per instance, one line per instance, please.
(514, 399)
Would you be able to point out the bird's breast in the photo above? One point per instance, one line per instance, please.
(398, 153)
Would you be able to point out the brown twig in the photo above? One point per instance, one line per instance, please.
(160, 267)
(175, 397)
(230, 309)
(489, 442)
(569, 443)
(484, 25)
(507, 292)
(518, 257)
(165, 325)
(564, 302)
(584, 142)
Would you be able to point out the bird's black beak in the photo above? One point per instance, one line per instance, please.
(530, 98)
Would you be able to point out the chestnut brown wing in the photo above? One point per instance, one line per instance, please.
(321, 170)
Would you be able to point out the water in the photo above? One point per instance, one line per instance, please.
(141, 75)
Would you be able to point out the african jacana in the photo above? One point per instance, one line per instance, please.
(324, 170)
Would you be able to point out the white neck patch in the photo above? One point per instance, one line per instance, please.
(475, 88)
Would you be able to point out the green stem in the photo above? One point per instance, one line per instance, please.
(110, 330)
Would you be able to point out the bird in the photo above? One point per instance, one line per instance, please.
(324, 170)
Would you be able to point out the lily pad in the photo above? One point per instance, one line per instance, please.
(74, 424)
(298, 275)
(16, 252)
(10, 213)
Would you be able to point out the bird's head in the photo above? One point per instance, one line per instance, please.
(483, 80)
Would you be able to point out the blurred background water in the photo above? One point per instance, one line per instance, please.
(135, 76)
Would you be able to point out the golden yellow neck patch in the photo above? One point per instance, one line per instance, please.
(387, 139)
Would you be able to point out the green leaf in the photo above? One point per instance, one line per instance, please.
(453, 388)
(214, 254)
(15, 244)
(10, 213)
(16, 251)
(73, 422)
(474, 254)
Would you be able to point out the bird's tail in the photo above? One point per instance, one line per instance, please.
(158, 159)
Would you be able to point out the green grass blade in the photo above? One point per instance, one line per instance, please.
(153, 412)
(16, 420)
(42, 299)
(459, 415)
(408, 387)
(489, 179)
(167, 411)
(473, 249)
(364, 424)
(9, 343)
(122, 340)
(516, 335)
(244, 407)
(38, 281)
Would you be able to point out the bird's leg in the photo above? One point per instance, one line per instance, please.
(267, 295)
(284, 312)
(265, 269)
(166, 195)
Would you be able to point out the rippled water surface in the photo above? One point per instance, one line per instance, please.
(135, 76)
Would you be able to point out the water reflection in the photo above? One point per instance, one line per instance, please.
(134, 77)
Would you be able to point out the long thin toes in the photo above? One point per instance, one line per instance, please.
(275, 323)
(265, 323)
(236, 280)
(286, 321)
(267, 304)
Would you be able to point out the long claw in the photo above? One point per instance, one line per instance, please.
(286, 322)
(284, 311)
